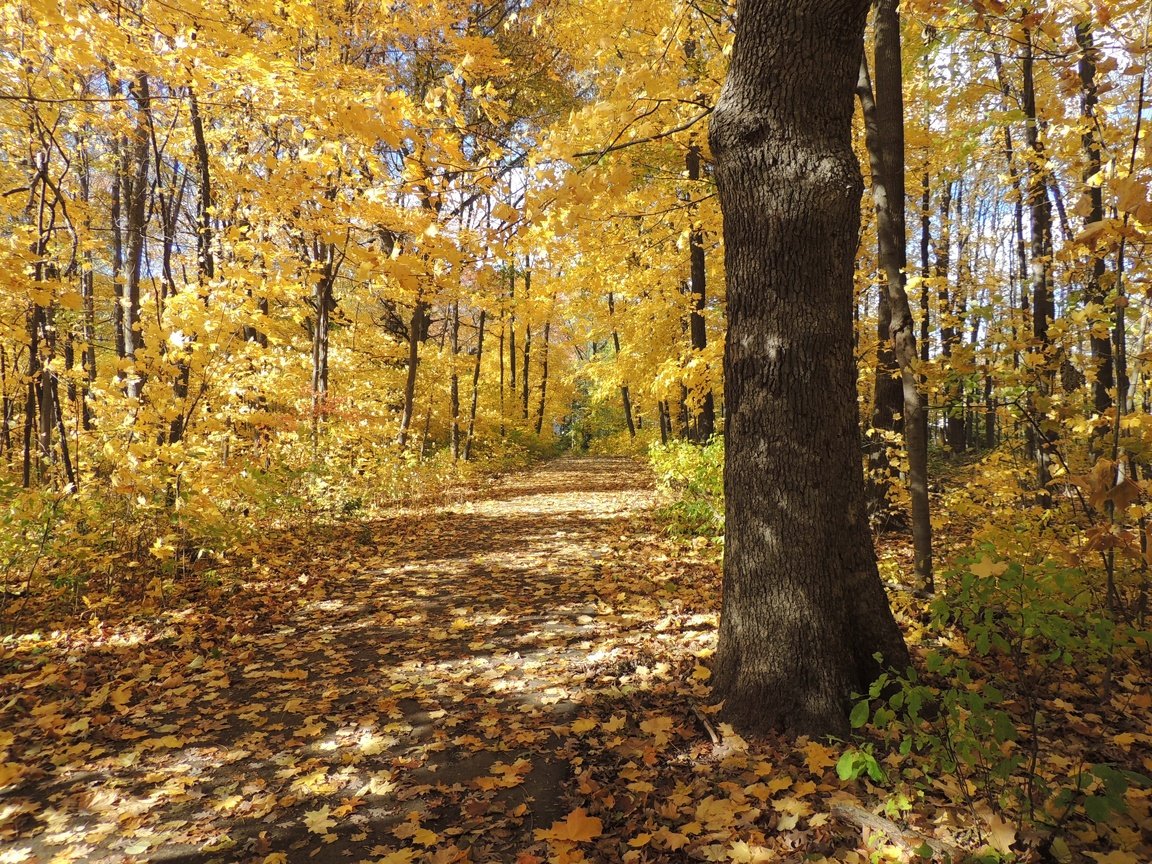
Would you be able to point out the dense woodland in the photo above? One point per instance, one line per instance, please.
(288, 275)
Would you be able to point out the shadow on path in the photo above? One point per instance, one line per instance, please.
(410, 687)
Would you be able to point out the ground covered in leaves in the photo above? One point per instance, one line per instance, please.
(518, 674)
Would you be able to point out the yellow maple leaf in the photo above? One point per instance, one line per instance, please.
(818, 757)
(745, 853)
(319, 821)
(986, 568)
(659, 728)
(577, 827)
(1116, 856)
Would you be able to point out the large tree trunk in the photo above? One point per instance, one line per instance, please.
(804, 610)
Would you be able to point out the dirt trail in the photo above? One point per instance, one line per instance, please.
(406, 690)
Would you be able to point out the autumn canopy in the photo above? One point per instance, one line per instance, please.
(368, 374)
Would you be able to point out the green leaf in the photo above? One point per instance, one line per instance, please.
(848, 766)
(1098, 808)
(859, 714)
(874, 770)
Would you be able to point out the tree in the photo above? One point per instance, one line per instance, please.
(884, 125)
(804, 611)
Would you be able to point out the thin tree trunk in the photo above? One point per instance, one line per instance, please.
(206, 264)
(950, 329)
(454, 382)
(524, 371)
(886, 151)
(1043, 310)
(6, 411)
(416, 327)
(512, 331)
(1094, 293)
(543, 381)
(925, 271)
(87, 293)
(625, 395)
(136, 189)
(476, 387)
(501, 352)
(706, 417)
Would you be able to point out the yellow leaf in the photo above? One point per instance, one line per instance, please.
(584, 724)
(578, 827)
(318, 821)
(658, 727)
(505, 213)
(1116, 856)
(400, 856)
(1001, 834)
(986, 568)
(743, 853)
(71, 300)
(818, 757)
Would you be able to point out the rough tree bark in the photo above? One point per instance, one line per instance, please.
(804, 611)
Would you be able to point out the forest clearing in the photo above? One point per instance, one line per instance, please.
(573, 430)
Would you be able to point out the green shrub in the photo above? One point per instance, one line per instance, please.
(693, 476)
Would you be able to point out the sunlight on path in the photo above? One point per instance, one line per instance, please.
(408, 686)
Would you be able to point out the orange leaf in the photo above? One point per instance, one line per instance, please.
(579, 827)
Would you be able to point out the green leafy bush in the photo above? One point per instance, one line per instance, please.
(1004, 639)
(693, 476)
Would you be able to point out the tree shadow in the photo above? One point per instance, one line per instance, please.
(467, 643)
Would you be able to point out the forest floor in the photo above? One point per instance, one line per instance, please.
(514, 674)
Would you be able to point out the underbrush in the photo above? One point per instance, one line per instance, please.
(1028, 704)
(1024, 722)
(137, 537)
(692, 477)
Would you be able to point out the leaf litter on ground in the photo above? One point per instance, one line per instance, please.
(521, 675)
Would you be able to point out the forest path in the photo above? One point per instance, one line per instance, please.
(417, 688)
